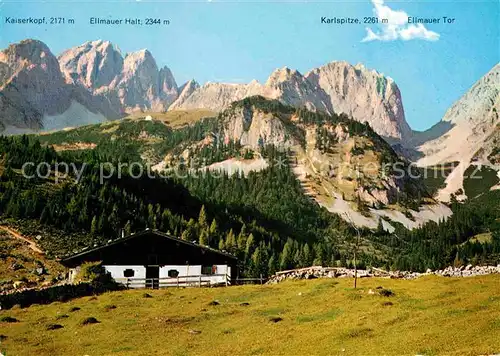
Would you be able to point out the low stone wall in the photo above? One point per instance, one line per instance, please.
(340, 272)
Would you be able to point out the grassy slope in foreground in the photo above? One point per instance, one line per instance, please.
(431, 315)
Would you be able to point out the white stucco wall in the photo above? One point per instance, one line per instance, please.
(117, 271)
(117, 274)
(137, 281)
(188, 270)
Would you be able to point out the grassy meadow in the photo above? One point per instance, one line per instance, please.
(428, 316)
(176, 118)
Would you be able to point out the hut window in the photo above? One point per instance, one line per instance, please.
(128, 273)
(207, 269)
(173, 273)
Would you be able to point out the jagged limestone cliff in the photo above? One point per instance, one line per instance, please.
(366, 96)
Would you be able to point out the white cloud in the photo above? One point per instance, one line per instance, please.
(397, 27)
(418, 31)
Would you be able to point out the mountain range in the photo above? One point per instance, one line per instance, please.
(95, 82)
(295, 168)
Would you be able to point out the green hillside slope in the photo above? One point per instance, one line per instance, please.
(272, 218)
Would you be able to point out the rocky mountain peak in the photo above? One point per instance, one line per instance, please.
(30, 49)
(140, 56)
(29, 56)
(283, 74)
(141, 86)
(339, 87)
(140, 61)
(31, 84)
(188, 87)
(292, 88)
(93, 64)
(167, 86)
(468, 107)
(467, 133)
(133, 82)
(365, 95)
(167, 78)
(184, 92)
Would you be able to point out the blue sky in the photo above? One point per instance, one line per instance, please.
(241, 41)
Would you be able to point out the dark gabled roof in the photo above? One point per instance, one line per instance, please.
(142, 233)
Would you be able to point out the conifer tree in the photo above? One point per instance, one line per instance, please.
(100, 223)
(127, 230)
(319, 255)
(272, 265)
(204, 238)
(222, 245)
(306, 256)
(202, 218)
(214, 230)
(45, 215)
(249, 245)
(93, 226)
(242, 238)
(286, 260)
(230, 242)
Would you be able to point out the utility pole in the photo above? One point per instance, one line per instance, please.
(358, 237)
(355, 249)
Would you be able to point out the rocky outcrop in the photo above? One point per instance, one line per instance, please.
(253, 128)
(325, 157)
(341, 272)
(476, 104)
(336, 87)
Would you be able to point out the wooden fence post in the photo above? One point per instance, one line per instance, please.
(200, 281)
(261, 279)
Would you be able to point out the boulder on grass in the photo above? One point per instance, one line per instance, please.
(54, 326)
(90, 320)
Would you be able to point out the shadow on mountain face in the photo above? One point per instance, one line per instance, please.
(436, 131)
(409, 149)
(407, 152)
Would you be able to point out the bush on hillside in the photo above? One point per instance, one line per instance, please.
(94, 272)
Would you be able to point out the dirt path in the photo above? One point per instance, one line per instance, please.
(17, 235)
